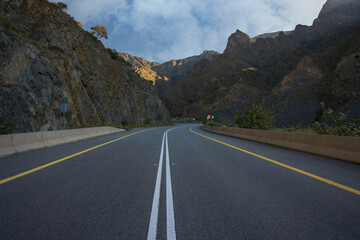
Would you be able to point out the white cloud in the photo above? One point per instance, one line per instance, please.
(169, 29)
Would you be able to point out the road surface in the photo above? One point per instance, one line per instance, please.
(176, 183)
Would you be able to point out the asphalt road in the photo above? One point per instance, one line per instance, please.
(168, 183)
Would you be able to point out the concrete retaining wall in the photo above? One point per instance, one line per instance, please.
(20, 142)
(343, 148)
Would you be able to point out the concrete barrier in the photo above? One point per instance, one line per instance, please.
(6, 146)
(28, 141)
(339, 147)
(21, 142)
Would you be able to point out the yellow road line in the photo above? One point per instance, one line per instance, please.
(62, 159)
(352, 190)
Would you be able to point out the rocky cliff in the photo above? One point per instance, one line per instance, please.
(252, 69)
(46, 59)
(332, 77)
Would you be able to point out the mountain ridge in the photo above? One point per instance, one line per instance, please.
(224, 85)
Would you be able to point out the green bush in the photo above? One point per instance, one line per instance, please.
(113, 53)
(214, 124)
(255, 118)
(205, 121)
(337, 125)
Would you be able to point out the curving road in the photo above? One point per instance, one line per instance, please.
(176, 183)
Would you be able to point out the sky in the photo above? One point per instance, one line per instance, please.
(161, 30)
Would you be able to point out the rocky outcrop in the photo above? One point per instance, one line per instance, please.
(142, 67)
(47, 59)
(272, 35)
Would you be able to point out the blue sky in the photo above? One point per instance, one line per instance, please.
(161, 30)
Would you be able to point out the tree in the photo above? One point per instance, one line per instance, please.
(99, 31)
(256, 118)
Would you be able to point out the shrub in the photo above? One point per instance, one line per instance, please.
(205, 121)
(214, 124)
(338, 125)
(256, 118)
(99, 31)
(113, 53)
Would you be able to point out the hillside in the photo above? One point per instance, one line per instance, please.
(167, 75)
(142, 67)
(332, 77)
(250, 69)
(47, 59)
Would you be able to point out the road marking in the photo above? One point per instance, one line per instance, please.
(170, 218)
(346, 188)
(156, 200)
(63, 159)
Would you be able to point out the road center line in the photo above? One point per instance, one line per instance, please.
(156, 200)
(63, 159)
(335, 184)
(170, 217)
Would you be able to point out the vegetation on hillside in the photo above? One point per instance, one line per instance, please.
(255, 118)
(99, 31)
(336, 125)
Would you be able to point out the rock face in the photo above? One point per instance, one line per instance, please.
(47, 59)
(142, 67)
(278, 67)
(332, 77)
(176, 71)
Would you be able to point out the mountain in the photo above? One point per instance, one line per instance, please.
(47, 59)
(167, 75)
(252, 69)
(175, 71)
(332, 77)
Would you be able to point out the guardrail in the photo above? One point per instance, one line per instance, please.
(20, 142)
(339, 147)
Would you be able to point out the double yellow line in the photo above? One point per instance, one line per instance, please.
(346, 188)
(63, 159)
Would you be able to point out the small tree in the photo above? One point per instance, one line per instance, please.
(256, 118)
(99, 31)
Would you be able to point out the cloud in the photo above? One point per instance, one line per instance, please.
(160, 30)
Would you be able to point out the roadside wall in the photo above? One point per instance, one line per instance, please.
(20, 142)
(343, 148)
